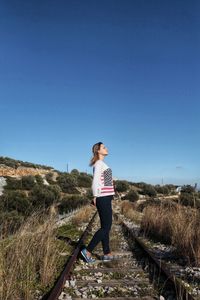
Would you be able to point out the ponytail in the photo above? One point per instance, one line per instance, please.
(95, 157)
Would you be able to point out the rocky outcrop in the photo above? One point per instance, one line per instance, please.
(24, 171)
(2, 184)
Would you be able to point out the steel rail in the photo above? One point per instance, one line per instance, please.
(181, 291)
(54, 293)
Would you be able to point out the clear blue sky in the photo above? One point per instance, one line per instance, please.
(126, 73)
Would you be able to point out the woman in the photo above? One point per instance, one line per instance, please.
(103, 191)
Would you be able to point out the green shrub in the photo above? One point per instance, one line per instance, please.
(39, 179)
(188, 199)
(69, 203)
(28, 182)
(68, 183)
(44, 196)
(131, 196)
(25, 183)
(149, 190)
(187, 189)
(49, 178)
(13, 163)
(16, 200)
(121, 186)
(84, 181)
(162, 189)
(13, 183)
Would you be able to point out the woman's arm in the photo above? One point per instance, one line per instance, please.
(96, 187)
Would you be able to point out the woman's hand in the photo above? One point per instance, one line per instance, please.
(94, 201)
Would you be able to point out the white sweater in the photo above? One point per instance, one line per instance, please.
(102, 183)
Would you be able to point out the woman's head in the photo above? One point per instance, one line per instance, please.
(98, 150)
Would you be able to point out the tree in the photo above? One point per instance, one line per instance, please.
(74, 172)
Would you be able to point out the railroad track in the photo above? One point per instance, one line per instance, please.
(123, 278)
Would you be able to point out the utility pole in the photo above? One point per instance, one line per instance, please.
(67, 168)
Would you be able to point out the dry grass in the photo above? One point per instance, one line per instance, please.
(178, 225)
(83, 215)
(30, 258)
(128, 210)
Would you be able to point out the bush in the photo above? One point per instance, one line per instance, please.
(68, 183)
(121, 186)
(72, 202)
(39, 179)
(149, 190)
(8, 162)
(187, 189)
(28, 182)
(56, 190)
(162, 189)
(13, 163)
(49, 178)
(188, 199)
(16, 200)
(84, 181)
(13, 183)
(44, 196)
(131, 196)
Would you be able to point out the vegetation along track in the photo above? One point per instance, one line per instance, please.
(124, 278)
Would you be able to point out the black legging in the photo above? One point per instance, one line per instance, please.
(104, 207)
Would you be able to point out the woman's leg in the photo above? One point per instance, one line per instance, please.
(106, 241)
(104, 208)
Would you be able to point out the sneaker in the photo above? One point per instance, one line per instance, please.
(107, 257)
(88, 259)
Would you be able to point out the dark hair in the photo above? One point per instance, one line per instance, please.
(95, 149)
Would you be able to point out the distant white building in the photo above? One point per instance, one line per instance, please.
(178, 189)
